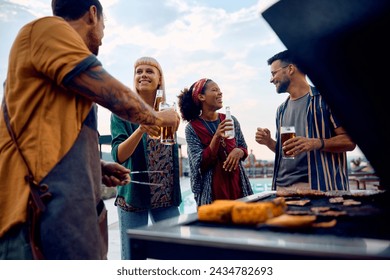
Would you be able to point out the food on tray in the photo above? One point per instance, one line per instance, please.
(351, 202)
(251, 213)
(317, 193)
(320, 209)
(279, 206)
(300, 193)
(365, 193)
(300, 202)
(333, 213)
(288, 209)
(338, 193)
(328, 224)
(338, 199)
(299, 212)
(345, 202)
(226, 211)
(291, 221)
(219, 211)
(257, 212)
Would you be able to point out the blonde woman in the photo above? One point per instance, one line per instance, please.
(136, 150)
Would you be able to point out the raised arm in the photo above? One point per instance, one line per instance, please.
(99, 86)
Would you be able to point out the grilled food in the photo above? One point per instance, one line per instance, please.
(230, 211)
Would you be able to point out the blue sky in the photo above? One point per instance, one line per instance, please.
(224, 40)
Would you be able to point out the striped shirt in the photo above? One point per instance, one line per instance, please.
(327, 171)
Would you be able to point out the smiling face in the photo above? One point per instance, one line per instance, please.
(212, 97)
(279, 76)
(147, 78)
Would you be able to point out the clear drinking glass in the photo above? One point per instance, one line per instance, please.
(167, 132)
(287, 132)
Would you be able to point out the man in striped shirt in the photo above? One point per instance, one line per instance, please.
(318, 151)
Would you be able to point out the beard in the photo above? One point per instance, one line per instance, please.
(93, 42)
(283, 86)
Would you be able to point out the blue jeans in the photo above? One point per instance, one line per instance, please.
(128, 220)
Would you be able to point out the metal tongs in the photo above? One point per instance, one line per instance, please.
(145, 183)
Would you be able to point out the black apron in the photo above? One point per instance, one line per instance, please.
(69, 227)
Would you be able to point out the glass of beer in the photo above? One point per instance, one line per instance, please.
(287, 132)
(167, 133)
(157, 100)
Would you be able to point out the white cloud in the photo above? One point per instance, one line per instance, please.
(36, 8)
(262, 5)
(227, 41)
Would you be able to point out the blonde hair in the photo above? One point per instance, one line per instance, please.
(147, 60)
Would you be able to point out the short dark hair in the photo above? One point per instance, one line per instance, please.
(286, 57)
(74, 9)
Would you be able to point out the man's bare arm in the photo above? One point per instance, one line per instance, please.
(99, 86)
(339, 143)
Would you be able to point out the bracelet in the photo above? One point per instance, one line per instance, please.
(322, 144)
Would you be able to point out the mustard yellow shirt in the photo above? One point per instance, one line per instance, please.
(45, 117)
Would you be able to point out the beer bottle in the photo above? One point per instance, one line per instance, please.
(158, 99)
(229, 134)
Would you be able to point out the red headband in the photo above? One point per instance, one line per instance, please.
(197, 89)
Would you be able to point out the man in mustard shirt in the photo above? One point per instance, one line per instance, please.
(54, 81)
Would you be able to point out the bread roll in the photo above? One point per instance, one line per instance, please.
(258, 212)
(238, 212)
(219, 211)
(251, 213)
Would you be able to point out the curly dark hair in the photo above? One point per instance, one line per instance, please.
(188, 109)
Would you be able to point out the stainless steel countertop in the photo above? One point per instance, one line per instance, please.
(179, 231)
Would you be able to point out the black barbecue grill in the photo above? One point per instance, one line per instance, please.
(362, 233)
(367, 220)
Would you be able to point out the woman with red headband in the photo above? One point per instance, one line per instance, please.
(216, 170)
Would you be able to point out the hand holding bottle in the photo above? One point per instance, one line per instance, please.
(223, 128)
(154, 131)
(229, 133)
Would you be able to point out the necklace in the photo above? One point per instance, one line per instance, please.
(211, 126)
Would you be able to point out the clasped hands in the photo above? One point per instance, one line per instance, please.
(168, 117)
